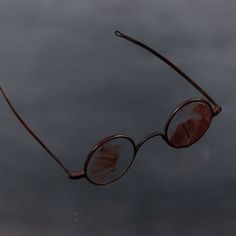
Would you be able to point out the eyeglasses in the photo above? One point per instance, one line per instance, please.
(112, 157)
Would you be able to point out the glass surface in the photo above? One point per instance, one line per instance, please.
(110, 161)
(189, 124)
(75, 83)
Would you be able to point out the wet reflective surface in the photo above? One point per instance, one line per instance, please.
(76, 83)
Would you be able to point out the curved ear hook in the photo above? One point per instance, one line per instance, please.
(71, 174)
(217, 108)
(118, 33)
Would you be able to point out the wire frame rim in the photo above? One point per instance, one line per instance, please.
(98, 145)
(177, 109)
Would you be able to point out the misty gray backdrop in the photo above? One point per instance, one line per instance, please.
(75, 83)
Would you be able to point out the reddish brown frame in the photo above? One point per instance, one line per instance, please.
(215, 109)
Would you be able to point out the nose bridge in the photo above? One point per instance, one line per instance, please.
(147, 137)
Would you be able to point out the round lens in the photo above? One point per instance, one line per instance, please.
(189, 124)
(110, 160)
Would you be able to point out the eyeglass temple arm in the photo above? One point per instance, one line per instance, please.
(217, 108)
(72, 174)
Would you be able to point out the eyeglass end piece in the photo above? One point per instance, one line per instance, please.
(76, 175)
(217, 110)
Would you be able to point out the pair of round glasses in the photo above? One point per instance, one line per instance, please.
(111, 158)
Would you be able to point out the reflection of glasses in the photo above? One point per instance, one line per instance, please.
(112, 157)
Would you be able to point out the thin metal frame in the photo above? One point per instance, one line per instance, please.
(98, 145)
(215, 109)
(180, 107)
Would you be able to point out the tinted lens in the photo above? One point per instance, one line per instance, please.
(189, 124)
(110, 161)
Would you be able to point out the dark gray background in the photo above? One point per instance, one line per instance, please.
(74, 82)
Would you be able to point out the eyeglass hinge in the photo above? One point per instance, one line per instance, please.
(76, 175)
(217, 109)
